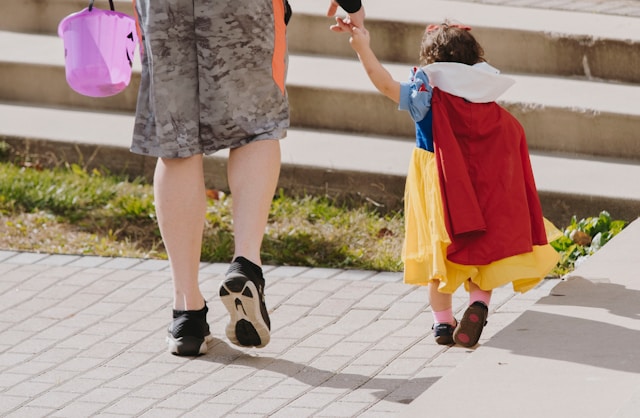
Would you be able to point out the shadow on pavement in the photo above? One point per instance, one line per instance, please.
(383, 387)
(577, 291)
(581, 322)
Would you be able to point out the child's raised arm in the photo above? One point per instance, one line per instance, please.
(379, 76)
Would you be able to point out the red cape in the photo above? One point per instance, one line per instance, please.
(491, 205)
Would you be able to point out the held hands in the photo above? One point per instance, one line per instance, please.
(344, 24)
(352, 24)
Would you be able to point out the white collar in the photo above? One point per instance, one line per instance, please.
(479, 83)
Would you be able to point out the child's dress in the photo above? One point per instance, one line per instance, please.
(471, 207)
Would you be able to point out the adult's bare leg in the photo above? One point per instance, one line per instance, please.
(180, 207)
(253, 172)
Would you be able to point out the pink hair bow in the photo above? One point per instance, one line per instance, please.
(431, 28)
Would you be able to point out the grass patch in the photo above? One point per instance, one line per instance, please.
(68, 210)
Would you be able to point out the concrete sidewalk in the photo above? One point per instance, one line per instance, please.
(84, 336)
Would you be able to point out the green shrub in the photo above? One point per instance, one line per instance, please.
(583, 238)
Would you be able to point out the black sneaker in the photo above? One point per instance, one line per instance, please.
(242, 293)
(189, 333)
(443, 333)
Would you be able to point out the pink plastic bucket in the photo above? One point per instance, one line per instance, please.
(99, 46)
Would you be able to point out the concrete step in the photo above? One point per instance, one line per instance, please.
(371, 168)
(517, 40)
(557, 42)
(559, 114)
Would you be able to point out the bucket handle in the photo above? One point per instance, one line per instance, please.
(110, 4)
(131, 35)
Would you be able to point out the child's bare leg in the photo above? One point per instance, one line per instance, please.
(443, 320)
(478, 295)
(441, 304)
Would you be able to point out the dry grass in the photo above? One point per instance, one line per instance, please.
(42, 232)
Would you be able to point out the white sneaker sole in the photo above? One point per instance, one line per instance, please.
(180, 347)
(245, 316)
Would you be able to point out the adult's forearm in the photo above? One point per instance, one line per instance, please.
(350, 6)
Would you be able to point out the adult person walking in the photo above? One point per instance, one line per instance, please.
(213, 78)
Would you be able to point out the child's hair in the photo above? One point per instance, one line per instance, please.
(449, 42)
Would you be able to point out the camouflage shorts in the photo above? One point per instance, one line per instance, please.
(213, 75)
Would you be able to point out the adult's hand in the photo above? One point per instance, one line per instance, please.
(333, 8)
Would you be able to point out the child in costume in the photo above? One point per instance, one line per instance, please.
(472, 212)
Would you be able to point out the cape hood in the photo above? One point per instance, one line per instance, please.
(479, 83)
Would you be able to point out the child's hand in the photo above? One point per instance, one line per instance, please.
(360, 39)
(342, 25)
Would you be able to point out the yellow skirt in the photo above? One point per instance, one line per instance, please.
(426, 240)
